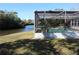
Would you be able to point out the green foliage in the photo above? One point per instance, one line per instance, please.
(52, 22)
(29, 23)
(55, 22)
(9, 20)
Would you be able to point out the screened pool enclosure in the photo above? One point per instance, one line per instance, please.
(48, 20)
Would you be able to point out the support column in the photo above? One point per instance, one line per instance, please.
(74, 23)
(65, 16)
(77, 23)
(71, 23)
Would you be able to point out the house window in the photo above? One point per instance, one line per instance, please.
(75, 23)
(71, 22)
(78, 22)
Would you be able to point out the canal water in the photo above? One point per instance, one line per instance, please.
(26, 29)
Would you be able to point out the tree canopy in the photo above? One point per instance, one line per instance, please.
(9, 20)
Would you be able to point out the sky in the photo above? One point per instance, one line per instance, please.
(26, 10)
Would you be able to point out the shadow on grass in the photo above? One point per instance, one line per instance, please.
(27, 47)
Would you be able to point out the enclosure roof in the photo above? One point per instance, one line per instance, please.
(55, 11)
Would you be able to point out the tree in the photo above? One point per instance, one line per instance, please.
(9, 20)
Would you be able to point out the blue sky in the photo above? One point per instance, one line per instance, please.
(26, 10)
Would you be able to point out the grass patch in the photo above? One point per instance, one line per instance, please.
(16, 36)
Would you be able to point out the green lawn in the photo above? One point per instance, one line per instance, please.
(16, 36)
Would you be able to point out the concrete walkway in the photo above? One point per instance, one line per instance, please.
(39, 36)
(57, 35)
